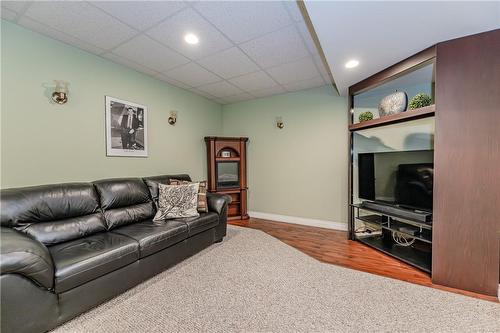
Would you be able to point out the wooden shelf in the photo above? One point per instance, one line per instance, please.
(229, 159)
(228, 191)
(427, 111)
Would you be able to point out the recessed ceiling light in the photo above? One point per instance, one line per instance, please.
(191, 39)
(351, 63)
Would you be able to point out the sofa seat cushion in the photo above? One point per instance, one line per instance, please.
(154, 236)
(85, 259)
(199, 224)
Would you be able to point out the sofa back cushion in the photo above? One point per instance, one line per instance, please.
(53, 213)
(124, 201)
(153, 182)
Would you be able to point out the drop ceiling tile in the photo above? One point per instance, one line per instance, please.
(164, 78)
(328, 80)
(229, 63)
(220, 89)
(253, 81)
(56, 34)
(15, 6)
(238, 98)
(81, 20)
(149, 53)
(305, 84)
(111, 29)
(276, 48)
(140, 14)
(201, 93)
(220, 101)
(171, 33)
(193, 75)
(294, 11)
(306, 36)
(321, 67)
(296, 71)
(129, 63)
(245, 20)
(268, 91)
(8, 14)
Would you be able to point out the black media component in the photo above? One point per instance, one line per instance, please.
(414, 185)
(387, 238)
(409, 214)
(402, 178)
(366, 165)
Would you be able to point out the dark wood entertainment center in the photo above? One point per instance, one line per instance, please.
(229, 153)
(466, 189)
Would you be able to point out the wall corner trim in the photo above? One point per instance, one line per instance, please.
(299, 220)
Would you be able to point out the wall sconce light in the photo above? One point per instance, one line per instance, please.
(279, 123)
(60, 94)
(173, 118)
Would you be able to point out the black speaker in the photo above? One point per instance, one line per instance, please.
(395, 211)
(387, 238)
(366, 170)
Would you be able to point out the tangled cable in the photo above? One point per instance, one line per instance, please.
(402, 239)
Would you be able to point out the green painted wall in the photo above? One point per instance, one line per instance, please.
(46, 143)
(300, 170)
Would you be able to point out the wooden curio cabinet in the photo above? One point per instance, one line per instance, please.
(226, 164)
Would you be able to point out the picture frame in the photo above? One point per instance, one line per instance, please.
(126, 128)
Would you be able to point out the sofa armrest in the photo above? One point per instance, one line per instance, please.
(23, 255)
(218, 203)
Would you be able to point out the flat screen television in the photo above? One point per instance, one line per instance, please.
(228, 175)
(403, 178)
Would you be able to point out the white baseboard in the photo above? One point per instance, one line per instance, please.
(300, 220)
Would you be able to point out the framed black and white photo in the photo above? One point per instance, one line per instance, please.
(126, 128)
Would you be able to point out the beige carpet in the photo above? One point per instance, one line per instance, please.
(252, 282)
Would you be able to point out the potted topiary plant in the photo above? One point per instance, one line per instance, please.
(419, 101)
(365, 116)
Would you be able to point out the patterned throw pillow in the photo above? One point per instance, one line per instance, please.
(177, 201)
(202, 193)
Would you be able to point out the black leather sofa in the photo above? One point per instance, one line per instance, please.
(66, 248)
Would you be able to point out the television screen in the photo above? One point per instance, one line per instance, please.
(228, 175)
(402, 178)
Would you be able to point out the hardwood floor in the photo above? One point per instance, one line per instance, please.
(333, 247)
